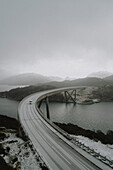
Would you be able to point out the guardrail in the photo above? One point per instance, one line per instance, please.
(93, 153)
(63, 135)
(67, 135)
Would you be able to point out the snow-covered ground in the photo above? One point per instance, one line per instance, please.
(97, 149)
(21, 154)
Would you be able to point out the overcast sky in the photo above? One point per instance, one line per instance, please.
(56, 37)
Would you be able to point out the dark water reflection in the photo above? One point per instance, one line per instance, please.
(95, 117)
(8, 107)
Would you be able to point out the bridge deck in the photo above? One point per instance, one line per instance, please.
(56, 152)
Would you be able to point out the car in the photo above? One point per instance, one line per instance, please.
(30, 102)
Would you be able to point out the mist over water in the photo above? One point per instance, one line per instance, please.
(9, 87)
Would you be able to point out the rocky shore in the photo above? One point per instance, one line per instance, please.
(88, 95)
(8, 122)
(92, 95)
(21, 92)
(16, 152)
(97, 136)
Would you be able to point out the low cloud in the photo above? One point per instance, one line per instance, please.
(65, 38)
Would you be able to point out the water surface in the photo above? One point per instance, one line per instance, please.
(8, 107)
(94, 117)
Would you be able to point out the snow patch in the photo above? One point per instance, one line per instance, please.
(105, 151)
(20, 154)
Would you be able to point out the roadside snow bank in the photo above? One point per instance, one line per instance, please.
(102, 151)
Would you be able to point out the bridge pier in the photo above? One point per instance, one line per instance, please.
(69, 96)
(40, 103)
(47, 108)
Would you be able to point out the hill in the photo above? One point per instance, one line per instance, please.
(109, 79)
(100, 74)
(19, 93)
(37, 79)
(27, 79)
(103, 91)
(88, 81)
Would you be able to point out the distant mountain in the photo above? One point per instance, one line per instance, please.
(54, 78)
(88, 81)
(37, 79)
(100, 74)
(69, 78)
(27, 79)
(109, 79)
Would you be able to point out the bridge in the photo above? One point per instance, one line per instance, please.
(52, 143)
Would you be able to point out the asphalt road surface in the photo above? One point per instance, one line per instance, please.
(57, 154)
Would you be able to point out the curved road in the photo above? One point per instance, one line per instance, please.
(57, 152)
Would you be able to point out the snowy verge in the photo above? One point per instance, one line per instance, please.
(97, 149)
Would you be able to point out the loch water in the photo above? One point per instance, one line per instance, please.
(97, 116)
(8, 107)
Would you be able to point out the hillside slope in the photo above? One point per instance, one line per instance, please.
(26, 79)
(88, 81)
(100, 74)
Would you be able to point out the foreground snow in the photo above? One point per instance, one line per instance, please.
(21, 155)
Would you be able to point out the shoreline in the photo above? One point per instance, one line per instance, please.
(9, 138)
(94, 135)
(12, 123)
(17, 152)
(8, 122)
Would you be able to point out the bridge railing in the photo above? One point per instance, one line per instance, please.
(61, 131)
